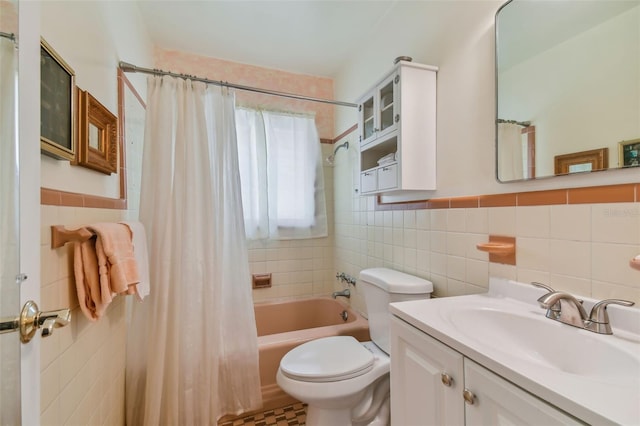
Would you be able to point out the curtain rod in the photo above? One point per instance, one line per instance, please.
(519, 123)
(127, 67)
(10, 36)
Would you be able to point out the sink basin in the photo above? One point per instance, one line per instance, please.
(548, 343)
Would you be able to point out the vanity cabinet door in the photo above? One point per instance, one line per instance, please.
(495, 401)
(426, 379)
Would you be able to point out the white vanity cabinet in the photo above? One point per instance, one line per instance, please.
(397, 119)
(432, 384)
(426, 379)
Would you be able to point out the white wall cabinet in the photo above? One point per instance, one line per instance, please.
(397, 117)
(432, 384)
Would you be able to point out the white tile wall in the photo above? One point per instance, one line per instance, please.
(584, 249)
(304, 268)
(82, 364)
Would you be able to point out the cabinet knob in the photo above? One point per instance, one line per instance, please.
(469, 397)
(446, 380)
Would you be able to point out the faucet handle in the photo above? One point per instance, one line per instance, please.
(546, 287)
(555, 309)
(599, 311)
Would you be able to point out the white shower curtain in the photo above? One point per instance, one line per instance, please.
(510, 153)
(192, 348)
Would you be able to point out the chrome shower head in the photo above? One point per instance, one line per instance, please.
(332, 157)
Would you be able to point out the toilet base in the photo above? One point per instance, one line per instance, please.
(317, 416)
(321, 417)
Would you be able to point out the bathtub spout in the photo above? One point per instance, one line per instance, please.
(344, 293)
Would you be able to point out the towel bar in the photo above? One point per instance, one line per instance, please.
(61, 235)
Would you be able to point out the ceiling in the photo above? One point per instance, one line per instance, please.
(527, 28)
(305, 36)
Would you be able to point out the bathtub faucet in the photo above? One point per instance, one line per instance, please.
(344, 293)
(346, 278)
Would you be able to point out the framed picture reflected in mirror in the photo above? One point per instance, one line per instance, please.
(584, 161)
(629, 153)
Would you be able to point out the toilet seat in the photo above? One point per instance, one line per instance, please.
(329, 359)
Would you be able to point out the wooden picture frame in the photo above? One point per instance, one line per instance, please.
(629, 153)
(97, 135)
(584, 161)
(57, 105)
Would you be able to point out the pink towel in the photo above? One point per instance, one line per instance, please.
(85, 266)
(117, 263)
(103, 266)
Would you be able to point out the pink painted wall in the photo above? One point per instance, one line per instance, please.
(9, 18)
(264, 78)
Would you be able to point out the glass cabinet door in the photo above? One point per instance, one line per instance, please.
(387, 105)
(368, 122)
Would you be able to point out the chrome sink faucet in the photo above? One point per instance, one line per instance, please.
(567, 309)
(571, 310)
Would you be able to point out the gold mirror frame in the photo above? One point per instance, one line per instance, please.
(97, 135)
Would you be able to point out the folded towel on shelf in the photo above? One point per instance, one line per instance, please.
(389, 158)
(104, 265)
(140, 252)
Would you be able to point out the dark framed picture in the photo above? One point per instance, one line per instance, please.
(97, 135)
(629, 153)
(57, 105)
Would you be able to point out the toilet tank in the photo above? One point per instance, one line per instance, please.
(382, 286)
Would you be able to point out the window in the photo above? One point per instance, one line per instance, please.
(281, 175)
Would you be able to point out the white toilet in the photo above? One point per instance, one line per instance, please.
(343, 381)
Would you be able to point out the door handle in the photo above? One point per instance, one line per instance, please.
(31, 319)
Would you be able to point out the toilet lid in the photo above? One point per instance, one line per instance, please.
(327, 360)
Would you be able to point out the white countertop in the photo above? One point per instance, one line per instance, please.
(594, 398)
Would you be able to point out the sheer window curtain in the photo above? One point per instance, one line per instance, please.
(192, 346)
(281, 174)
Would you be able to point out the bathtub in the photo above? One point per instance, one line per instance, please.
(284, 325)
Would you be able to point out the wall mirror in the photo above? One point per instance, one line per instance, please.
(567, 81)
(9, 214)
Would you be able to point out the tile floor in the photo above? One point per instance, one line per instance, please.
(292, 415)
